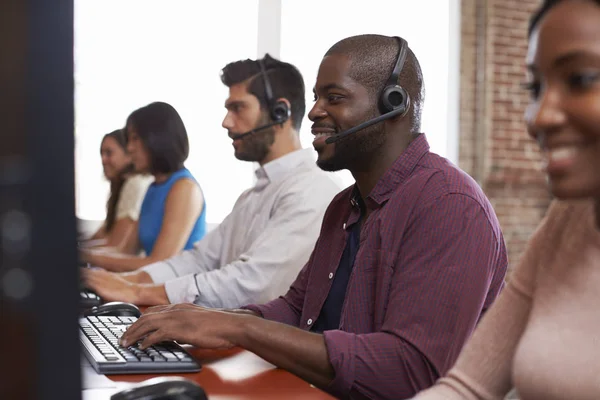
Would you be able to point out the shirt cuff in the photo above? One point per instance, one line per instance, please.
(255, 308)
(182, 290)
(160, 272)
(277, 310)
(341, 349)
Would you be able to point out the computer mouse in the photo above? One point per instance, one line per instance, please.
(114, 309)
(163, 388)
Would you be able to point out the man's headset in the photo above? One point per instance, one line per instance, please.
(394, 99)
(279, 111)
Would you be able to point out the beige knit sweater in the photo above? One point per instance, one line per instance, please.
(543, 333)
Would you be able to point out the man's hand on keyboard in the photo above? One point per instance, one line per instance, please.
(109, 286)
(186, 323)
(112, 286)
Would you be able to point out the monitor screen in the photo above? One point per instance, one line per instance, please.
(38, 258)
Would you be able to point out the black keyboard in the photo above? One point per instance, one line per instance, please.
(99, 338)
(88, 299)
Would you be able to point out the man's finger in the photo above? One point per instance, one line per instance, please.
(153, 338)
(94, 280)
(90, 282)
(86, 274)
(142, 327)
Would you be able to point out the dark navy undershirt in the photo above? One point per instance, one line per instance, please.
(330, 315)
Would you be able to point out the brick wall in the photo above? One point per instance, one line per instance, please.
(494, 146)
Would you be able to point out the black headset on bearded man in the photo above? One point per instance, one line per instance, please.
(279, 111)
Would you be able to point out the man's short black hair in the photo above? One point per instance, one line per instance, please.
(286, 82)
(373, 58)
(163, 134)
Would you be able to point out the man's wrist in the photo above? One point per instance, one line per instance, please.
(137, 277)
(243, 324)
(151, 295)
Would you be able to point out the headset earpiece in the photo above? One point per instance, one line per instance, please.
(394, 96)
(279, 111)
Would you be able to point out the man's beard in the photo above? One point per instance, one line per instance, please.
(355, 150)
(257, 145)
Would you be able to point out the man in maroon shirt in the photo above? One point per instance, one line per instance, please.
(408, 258)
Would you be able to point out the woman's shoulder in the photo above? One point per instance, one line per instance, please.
(137, 183)
(183, 173)
(565, 225)
(567, 215)
(132, 195)
(185, 186)
(139, 180)
(183, 178)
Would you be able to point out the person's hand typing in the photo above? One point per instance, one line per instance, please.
(109, 285)
(186, 323)
(130, 287)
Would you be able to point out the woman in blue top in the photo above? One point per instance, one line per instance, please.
(173, 214)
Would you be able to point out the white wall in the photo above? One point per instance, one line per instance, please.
(130, 53)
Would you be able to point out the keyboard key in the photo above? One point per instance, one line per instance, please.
(170, 357)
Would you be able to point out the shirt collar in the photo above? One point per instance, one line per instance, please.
(280, 167)
(396, 174)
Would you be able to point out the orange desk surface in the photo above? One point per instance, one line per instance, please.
(270, 384)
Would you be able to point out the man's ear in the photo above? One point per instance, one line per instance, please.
(286, 101)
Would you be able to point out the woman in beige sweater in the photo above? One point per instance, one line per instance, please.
(542, 335)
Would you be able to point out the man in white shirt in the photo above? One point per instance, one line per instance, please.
(257, 251)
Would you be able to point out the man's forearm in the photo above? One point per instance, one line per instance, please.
(151, 295)
(300, 352)
(137, 277)
(118, 263)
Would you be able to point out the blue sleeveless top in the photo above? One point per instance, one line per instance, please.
(153, 211)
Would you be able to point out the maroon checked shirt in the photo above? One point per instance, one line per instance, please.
(431, 261)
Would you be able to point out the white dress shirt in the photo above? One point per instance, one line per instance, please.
(260, 247)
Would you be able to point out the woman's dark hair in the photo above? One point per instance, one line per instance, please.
(117, 183)
(543, 10)
(161, 130)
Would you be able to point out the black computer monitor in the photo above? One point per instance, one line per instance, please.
(39, 287)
